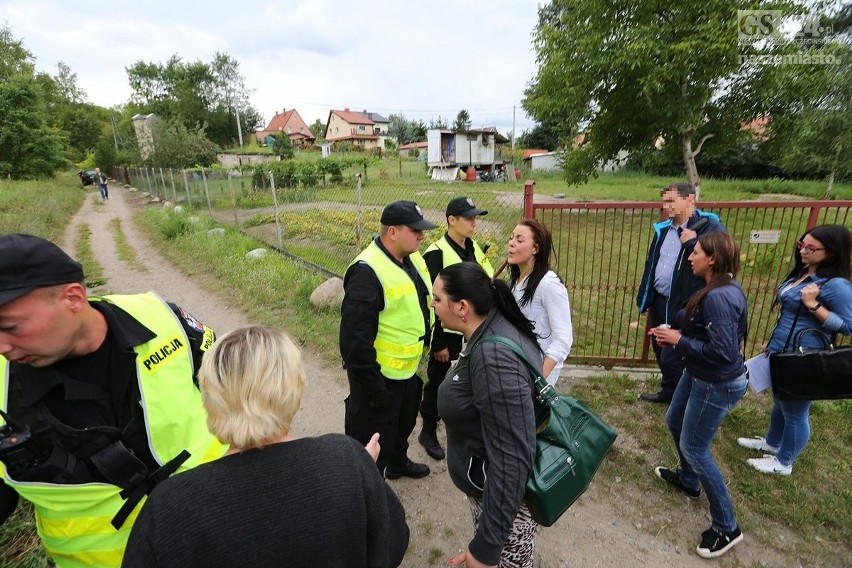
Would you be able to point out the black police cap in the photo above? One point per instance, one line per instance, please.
(405, 213)
(28, 262)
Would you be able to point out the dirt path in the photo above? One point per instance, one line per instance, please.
(599, 530)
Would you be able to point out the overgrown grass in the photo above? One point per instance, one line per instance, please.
(91, 267)
(40, 207)
(126, 253)
(815, 502)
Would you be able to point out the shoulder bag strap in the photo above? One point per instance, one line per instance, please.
(792, 328)
(546, 393)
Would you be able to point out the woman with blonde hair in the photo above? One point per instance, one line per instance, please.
(273, 500)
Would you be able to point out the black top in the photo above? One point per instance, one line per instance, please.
(359, 319)
(435, 263)
(309, 502)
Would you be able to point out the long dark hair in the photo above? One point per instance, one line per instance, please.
(838, 250)
(726, 252)
(468, 281)
(541, 264)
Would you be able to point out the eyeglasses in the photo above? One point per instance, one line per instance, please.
(810, 249)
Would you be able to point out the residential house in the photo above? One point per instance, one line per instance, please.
(289, 122)
(419, 149)
(357, 128)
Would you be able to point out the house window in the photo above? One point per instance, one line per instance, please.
(361, 128)
(289, 130)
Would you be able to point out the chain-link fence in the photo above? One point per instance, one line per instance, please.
(326, 221)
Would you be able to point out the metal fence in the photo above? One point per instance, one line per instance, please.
(599, 248)
(600, 251)
(328, 224)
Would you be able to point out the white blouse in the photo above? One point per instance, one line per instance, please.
(550, 311)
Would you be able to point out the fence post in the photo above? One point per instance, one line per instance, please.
(275, 204)
(529, 193)
(186, 185)
(206, 192)
(174, 190)
(233, 201)
(163, 179)
(358, 212)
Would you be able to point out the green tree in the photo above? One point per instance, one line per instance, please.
(176, 146)
(283, 146)
(628, 74)
(318, 129)
(462, 121)
(30, 147)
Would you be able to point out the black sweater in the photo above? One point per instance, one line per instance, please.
(308, 502)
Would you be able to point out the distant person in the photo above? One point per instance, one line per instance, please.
(455, 246)
(385, 324)
(487, 407)
(102, 182)
(274, 500)
(541, 294)
(105, 387)
(817, 294)
(667, 282)
(708, 333)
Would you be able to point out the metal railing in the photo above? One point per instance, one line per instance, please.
(600, 251)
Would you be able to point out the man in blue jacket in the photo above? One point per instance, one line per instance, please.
(668, 281)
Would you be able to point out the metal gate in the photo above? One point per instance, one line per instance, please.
(600, 251)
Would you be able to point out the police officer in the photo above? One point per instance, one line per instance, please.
(385, 324)
(98, 399)
(455, 246)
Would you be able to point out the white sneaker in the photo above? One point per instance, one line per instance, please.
(770, 464)
(757, 443)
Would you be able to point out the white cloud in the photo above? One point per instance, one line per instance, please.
(421, 59)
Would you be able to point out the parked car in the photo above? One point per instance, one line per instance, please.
(87, 177)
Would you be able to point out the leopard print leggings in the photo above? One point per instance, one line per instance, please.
(519, 550)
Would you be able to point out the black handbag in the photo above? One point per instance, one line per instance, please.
(571, 443)
(811, 374)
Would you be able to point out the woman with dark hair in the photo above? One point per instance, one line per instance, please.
(540, 293)
(710, 329)
(817, 294)
(486, 403)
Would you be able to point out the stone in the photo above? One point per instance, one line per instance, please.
(217, 232)
(328, 294)
(194, 220)
(178, 208)
(155, 200)
(256, 253)
(168, 203)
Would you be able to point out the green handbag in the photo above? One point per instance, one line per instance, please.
(570, 444)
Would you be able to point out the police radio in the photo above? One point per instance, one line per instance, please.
(19, 450)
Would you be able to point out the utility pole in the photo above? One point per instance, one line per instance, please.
(239, 128)
(513, 127)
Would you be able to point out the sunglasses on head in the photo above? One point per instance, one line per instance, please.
(807, 248)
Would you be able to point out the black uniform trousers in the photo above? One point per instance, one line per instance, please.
(436, 371)
(394, 422)
(669, 359)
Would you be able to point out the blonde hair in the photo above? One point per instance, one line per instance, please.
(251, 384)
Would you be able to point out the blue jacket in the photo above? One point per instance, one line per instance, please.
(711, 339)
(684, 282)
(835, 294)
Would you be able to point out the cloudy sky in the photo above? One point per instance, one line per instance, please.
(420, 59)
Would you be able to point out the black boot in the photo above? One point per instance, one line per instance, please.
(428, 438)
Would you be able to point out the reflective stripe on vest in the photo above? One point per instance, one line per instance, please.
(73, 521)
(450, 256)
(399, 340)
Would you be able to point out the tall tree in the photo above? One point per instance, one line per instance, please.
(628, 73)
(318, 129)
(30, 147)
(462, 121)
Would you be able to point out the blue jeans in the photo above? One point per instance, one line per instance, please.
(696, 411)
(102, 187)
(789, 428)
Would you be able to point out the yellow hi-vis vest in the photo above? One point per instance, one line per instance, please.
(399, 341)
(451, 257)
(73, 521)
